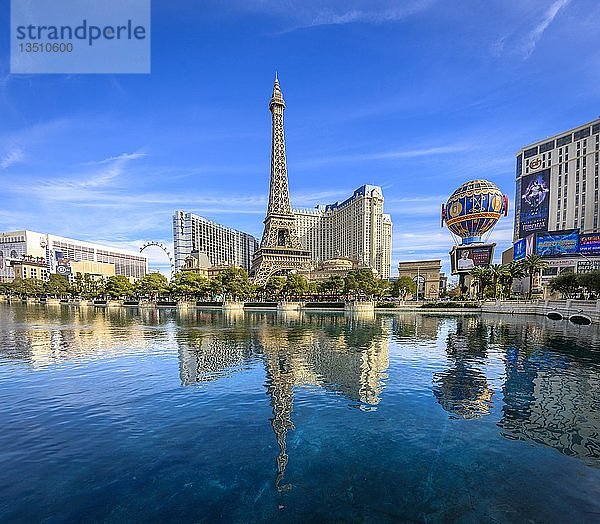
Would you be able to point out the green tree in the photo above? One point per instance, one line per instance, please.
(590, 281)
(363, 282)
(85, 286)
(233, 283)
(566, 283)
(483, 276)
(28, 287)
(403, 286)
(6, 288)
(189, 285)
(334, 285)
(497, 272)
(152, 285)
(381, 288)
(118, 286)
(274, 286)
(295, 285)
(57, 285)
(314, 288)
(533, 264)
(514, 270)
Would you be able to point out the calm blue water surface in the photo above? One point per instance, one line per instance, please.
(138, 416)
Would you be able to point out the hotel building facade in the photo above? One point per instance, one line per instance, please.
(356, 228)
(66, 252)
(557, 203)
(224, 246)
(568, 162)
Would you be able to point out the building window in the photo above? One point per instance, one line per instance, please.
(530, 152)
(581, 133)
(567, 139)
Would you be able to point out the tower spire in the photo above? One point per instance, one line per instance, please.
(277, 98)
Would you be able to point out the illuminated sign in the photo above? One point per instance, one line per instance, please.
(554, 243)
(533, 215)
(589, 244)
(520, 249)
(465, 258)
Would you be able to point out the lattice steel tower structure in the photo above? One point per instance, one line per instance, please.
(280, 248)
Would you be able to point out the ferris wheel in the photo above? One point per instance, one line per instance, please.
(160, 245)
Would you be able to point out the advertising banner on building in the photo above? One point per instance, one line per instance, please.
(587, 266)
(59, 264)
(530, 243)
(8, 253)
(535, 191)
(589, 244)
(554, 243)
(465, 258)
(562, 262)
(520, 249)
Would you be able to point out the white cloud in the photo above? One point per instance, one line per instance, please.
(13, 157)
(383, 155)
(534, 36)
(122, 157)
(369, 16)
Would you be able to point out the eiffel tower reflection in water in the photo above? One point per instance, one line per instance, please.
(344, 354)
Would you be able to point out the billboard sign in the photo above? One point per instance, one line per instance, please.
(589, 244)
(535, 191)
(8, 253)
(530, 242)
(587, 266)
(561, 262)
(520, 249)
(59, 264)
(553, 243)
(465, 258)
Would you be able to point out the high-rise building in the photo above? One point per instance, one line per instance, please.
(356, 228)
(556, 204)
(62, 254)
(224, 246)
(557, 186)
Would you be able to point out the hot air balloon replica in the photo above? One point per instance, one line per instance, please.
(470, 214)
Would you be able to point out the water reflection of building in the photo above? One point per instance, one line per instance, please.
(414, 325)
(206, 357)
(463, 390)
(44, 335)
(552, 401)
(344, 354)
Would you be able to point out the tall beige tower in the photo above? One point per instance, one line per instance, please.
(280, 248)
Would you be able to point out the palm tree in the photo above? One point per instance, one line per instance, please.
(483, 276)
(533, 264)
(498, 272)
(514, 270)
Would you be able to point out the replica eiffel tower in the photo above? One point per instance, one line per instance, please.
(280, 248)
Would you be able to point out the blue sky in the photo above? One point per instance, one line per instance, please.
(416, 96)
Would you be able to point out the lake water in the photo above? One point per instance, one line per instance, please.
(130, 416)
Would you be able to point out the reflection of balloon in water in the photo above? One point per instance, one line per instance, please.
(463, 391)
(473, 209)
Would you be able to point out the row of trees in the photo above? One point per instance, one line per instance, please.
(496, 281)
(231, 284)
(571, 285)
(235, 284)
(82, 286)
